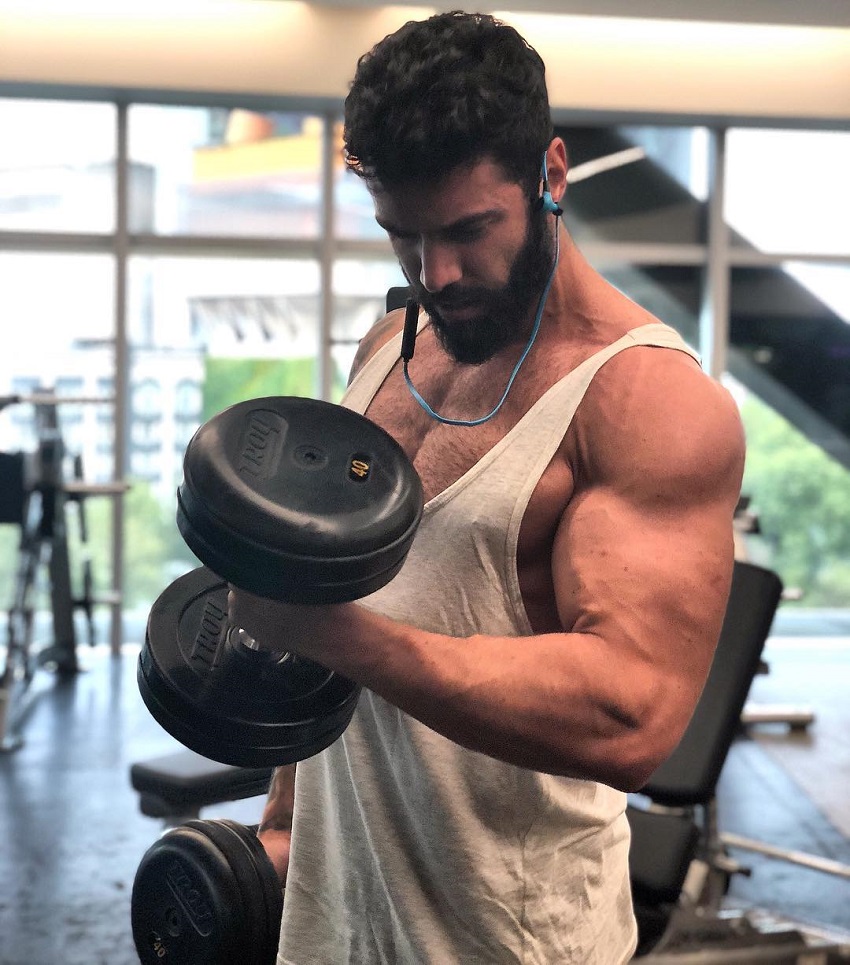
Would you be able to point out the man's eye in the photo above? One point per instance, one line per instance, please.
(454, 236)
(400, 237)
(467, 235)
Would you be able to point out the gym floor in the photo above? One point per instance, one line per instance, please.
(72, 834)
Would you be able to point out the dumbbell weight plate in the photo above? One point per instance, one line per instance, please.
(224, 701)
(297, 499)
(291, 499)
(206, 893)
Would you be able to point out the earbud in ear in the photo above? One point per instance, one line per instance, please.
(547, 202)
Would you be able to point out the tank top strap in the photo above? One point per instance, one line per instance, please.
(371, 377)
(573, 385)
(662, 336)
(542, 428)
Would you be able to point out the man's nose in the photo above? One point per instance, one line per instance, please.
(439, 266)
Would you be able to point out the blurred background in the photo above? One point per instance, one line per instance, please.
(177, 233)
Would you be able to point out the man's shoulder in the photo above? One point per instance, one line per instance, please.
(657, 364)
(378, 335)
(640, 356)
(658, 409)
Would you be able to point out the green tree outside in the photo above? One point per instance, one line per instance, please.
(802, 498)
(228, 381)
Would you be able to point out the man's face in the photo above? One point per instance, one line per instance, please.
(475, 254)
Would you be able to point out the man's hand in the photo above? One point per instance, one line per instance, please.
(306, 629)
(276, 845)
(275, 831)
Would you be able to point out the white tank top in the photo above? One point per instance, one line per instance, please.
(408, 849)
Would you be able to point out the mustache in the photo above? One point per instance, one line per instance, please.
(450, 298)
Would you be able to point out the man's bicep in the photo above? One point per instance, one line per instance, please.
(649, 580)
(613, 556)
(650, 527)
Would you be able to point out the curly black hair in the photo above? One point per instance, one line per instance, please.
(450, 90)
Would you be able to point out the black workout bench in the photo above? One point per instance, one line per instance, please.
(176, 786)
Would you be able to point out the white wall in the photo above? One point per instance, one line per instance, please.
(781, 73)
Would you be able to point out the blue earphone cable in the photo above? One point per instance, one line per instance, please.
(535, 329)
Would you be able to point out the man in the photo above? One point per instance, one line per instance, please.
(544, 645)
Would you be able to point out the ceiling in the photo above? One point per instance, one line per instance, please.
(815, 13)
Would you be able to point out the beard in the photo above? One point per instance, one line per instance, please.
(502, 315)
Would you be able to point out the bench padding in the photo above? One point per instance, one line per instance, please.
(181, 784)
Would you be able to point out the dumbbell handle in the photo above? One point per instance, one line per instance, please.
(223, 646)
(243, 643)
(240, 653)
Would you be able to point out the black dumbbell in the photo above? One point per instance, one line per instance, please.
(291, 499)
(206, 893)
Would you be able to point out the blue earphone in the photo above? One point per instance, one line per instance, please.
(547, 202)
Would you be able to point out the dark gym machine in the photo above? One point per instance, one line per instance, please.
(681, 862)
(746, 524)
(37, 490)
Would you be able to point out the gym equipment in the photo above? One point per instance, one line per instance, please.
(36, 494)
(206, 893)
(175, 787)
(679, 863)
(745, 523)
(292, 499)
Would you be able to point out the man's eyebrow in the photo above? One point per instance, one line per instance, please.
(466, 223)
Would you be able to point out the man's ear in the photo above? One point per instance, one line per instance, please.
(557, 166)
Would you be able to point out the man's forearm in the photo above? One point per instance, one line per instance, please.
(277, 814)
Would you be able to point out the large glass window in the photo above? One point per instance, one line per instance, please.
(227, 270)
(680, 152)
(360, 299)
(829, 283)
(57, 313)
(797, 346)
(788, 191)
(58, 323)
(203, 333)
(207, 332)
(220, 171)
(798, 492)
(636, 184)
(57, 166)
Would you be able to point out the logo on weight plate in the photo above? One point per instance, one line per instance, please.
(190, 899)
(261, 444)
(208, 637)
